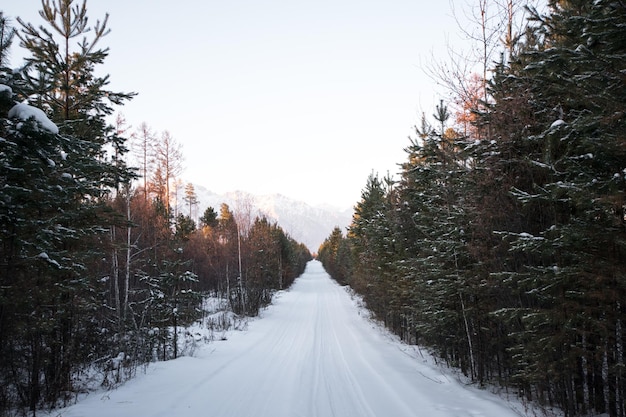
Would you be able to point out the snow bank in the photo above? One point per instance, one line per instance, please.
(24, 112)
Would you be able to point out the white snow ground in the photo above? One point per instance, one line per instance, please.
(313, 353)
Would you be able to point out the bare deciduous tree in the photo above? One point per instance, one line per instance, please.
(169, 161)
(493, 29)
(143, 141)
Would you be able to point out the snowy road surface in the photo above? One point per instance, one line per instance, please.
(312, 354)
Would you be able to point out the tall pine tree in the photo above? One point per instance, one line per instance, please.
(53, 216)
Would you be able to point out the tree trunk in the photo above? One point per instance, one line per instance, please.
(128, 255)
(469, 338)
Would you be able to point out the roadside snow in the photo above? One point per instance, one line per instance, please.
(313, 353)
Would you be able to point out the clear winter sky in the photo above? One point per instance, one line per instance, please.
(299, 97)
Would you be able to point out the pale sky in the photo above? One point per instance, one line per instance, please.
(301, 98)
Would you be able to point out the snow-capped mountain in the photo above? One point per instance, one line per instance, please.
(303, 222)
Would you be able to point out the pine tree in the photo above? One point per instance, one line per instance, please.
(52, 219)
(336, 256)
(54, 214)
(184, 226)
(435, 228)
(371, 235)
(262, 266)
(209, 218)
(60, 72)
(191, 198)
(7, 33)
(564, 169)
(229, 239)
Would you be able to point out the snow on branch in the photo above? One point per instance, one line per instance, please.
(24, 112)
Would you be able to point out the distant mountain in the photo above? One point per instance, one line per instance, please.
(303, 222)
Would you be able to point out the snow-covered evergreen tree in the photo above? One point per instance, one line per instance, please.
(53, 213)
(509, 250)
(565, 173)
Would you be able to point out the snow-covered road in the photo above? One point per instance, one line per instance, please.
(312, 354)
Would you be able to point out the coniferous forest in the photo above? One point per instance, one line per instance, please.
(501, 246)
(99, 266)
